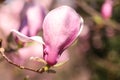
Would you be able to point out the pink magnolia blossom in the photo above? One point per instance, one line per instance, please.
(61, 27)
(25, 16)
(34, 51)
(106, 9)
(31, 18)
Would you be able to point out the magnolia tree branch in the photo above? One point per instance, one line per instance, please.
(92, 12)
(2, 50)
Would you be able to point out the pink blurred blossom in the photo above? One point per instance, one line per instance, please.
(106, 9)
(61, 27)
(31, 16)
(25, 16)
(23, 13)
(9, 16)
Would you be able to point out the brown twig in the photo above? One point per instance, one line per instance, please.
(19, 66)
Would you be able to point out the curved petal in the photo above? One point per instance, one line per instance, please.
(35, 50)
(61, 27)
(23, 55)
(106, 9)
(25, 38)
(35, 15)
(62, 59)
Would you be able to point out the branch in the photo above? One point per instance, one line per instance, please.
(19, 66)
(91, 11)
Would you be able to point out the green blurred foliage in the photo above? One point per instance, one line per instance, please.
(116, 13)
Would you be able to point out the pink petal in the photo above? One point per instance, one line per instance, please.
(35, 16)
(23, 55)
(61, 27)
(35, 50)
(25, 30)
(25, 38)
(62, 59)
(106, 9)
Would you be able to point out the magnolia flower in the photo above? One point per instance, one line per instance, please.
(61, 27)
(26, 16)
(31, 18)
(106, 9)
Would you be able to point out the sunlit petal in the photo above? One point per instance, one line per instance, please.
(25, 38)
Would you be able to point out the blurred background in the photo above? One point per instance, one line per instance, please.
(95, 55)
